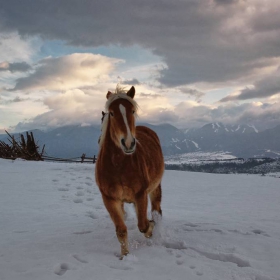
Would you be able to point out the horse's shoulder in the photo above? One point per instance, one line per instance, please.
(144, 129)
(145, 133)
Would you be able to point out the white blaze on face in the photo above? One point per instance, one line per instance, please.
(129, 138)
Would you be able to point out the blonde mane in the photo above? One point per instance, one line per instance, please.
(120, 93)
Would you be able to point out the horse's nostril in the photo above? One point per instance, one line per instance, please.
(128, 146)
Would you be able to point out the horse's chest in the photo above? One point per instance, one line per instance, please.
(122, 192)
(120, 177)
(121, 187)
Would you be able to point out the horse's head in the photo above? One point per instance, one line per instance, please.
(121, 110)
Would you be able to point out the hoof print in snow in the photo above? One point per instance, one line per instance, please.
(79, 259)
(224, 258)
(260, 232)
(192, 267)
(177, 245)
(179, 262)
(91, 215)
(78, 200)
(61, 269)
(63, 189)
(191, 225)
(79, 193)
(82, 232)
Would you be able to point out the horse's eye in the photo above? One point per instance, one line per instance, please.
(133, 112)
(111, 114)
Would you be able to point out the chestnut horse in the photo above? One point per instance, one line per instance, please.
(129, 166)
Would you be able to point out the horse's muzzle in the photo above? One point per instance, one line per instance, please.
(127, 146)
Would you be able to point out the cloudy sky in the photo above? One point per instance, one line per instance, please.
(191, 61)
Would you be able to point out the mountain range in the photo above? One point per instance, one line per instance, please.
(239, 140)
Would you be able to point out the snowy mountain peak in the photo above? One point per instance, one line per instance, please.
(218, 127)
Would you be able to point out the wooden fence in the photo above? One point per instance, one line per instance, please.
(27, 148)
(82, 159)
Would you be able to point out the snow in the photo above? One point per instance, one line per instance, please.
(175, 140)
(275, 152)
(199, 157)
(213, 227)
(252, 126)
(196, 145)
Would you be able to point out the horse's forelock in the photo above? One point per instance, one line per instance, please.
(117, 96)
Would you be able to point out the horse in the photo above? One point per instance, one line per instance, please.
(129, 165)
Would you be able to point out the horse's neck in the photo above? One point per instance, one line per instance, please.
(109, 148)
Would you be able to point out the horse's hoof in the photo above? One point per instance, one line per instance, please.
(122, 256)
(149, 232)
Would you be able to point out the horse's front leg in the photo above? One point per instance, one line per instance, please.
(141, 204)
(115, 209)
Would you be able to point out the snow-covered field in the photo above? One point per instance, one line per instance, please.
(53, 225)
(198, 158)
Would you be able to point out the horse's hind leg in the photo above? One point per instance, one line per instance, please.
(155, 197)
(141, 203)
(115, 209)
(124, 212)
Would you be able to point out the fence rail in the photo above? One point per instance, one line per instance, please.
(82, 159)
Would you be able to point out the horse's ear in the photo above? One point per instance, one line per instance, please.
(131, 92)
(109, 93)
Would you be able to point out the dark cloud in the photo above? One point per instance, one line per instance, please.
(192, 92)
(150, 95)
(15, 67)
(131, 82)
(200, 41)
(225, 2)
(17, 99)
(266, 87)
